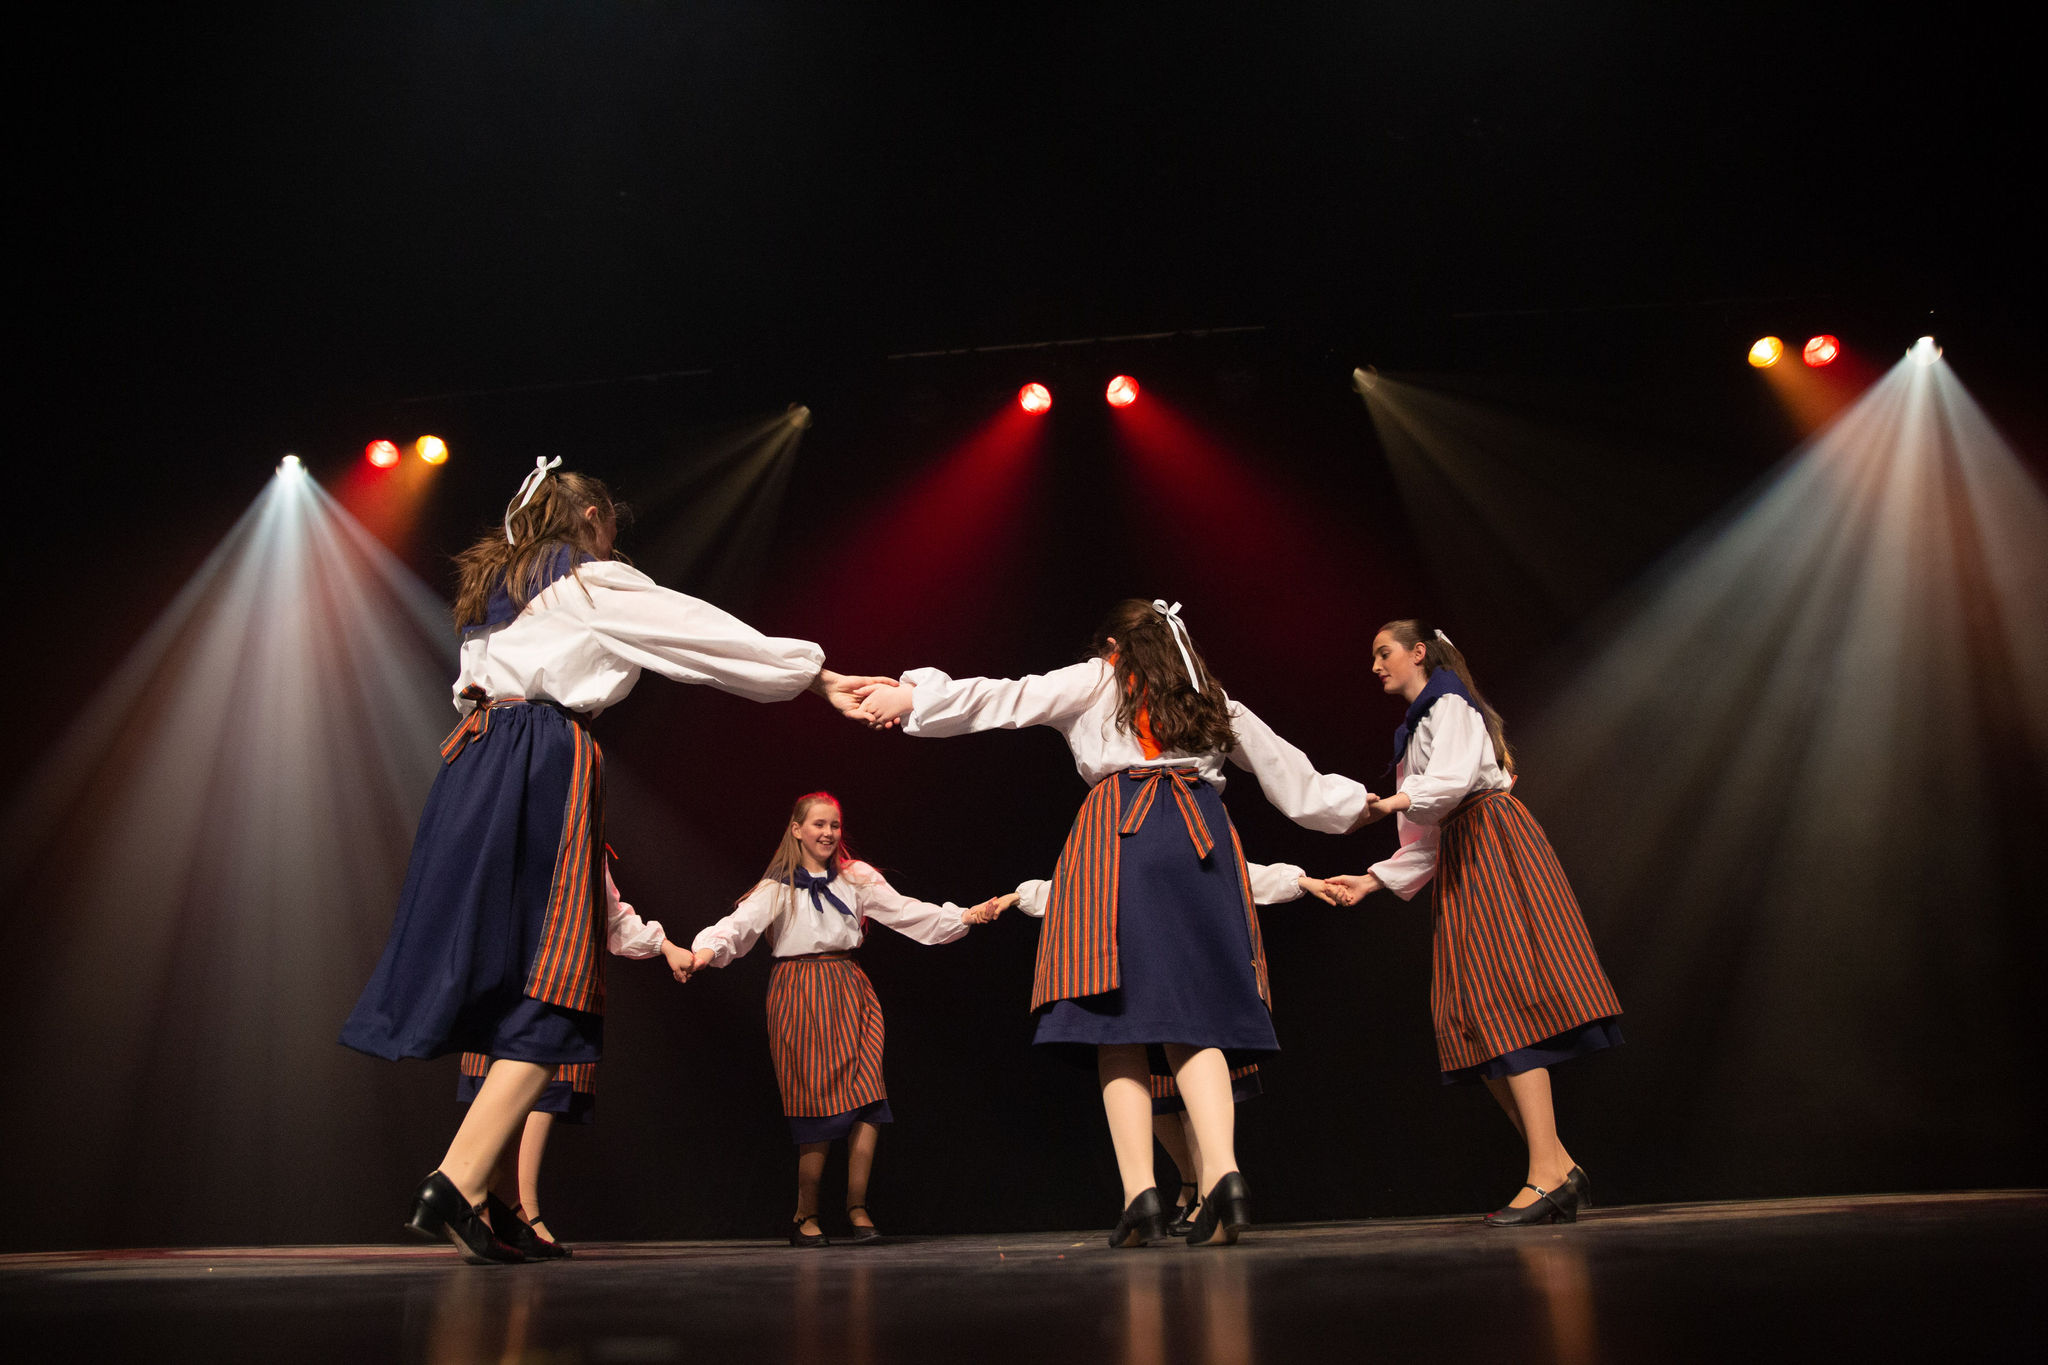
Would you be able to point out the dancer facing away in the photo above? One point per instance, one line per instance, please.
(1151, 935)
(496, 944)
(1515, 985)
(825, 1029)
(571, 1097)
(1271, 884)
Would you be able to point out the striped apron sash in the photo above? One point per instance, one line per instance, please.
(568, 966)
(1512, 963)
(1077, 952)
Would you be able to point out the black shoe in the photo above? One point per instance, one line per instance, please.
(799, 1238)
(1143, 1223)
(1226, 1211)
(518, 1234)
(861, 1234)
(1184, 1222)
(439, 1210)
(1581, 1187)
(1560, 1205)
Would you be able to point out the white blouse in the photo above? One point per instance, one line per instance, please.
(1449, 757)
(582, 641)
(626, 934)
(1080, 702)
(1272, 884)
(808, 928)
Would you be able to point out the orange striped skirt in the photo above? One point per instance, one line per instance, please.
(825, 1034)
(1512, 963)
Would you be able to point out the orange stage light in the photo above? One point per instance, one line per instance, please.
(1766, 353)
(1821, 350)
(1122, 391)
(382, 454)
(1034, 398)
(432, 449)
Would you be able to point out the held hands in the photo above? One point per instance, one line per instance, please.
(1379, 808)
(1352, 890)
(681, 961)
(1318, 888)
(884, 703)
(844, 691)
(986, 912)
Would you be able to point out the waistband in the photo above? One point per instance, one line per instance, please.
(841, 955)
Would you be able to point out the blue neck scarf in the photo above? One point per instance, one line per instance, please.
(1441, 683)
(816, 885)
(501, 609)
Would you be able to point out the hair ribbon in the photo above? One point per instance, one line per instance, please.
(1445, 638)
(528, 486)
(1180, 636)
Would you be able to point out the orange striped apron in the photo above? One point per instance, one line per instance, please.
(568, 965)
(825, 1034)
(1512, 963)
(1077, 953)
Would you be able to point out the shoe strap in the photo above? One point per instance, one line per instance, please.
(1541, 1193)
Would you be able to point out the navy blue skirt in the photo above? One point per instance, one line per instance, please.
(571, 1096)
(1184, 949)
(1591, 1036)
(470, 917)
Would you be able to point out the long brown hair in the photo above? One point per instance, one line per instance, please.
(789, 855)
(1437, 652)
(553, 519)
(1151, 676)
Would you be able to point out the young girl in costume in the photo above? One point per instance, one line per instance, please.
(1151, 936)
(1515, 985)
(571, 1097)
(813, 905)
(1271, 884)
(496, 944)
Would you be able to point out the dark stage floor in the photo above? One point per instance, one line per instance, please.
(1879, 1277)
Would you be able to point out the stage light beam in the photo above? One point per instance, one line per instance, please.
(1034, 399)
(1122, 391)
(432, 449)
(382, 454)
(1766, 352)
(1925, 351)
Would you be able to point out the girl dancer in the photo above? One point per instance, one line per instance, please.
(824, 1023)
(1271, 884)
(571, 1097)
(1515, 985)
(1151, 936)
(495, 945)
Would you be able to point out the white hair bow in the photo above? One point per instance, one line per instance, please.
(1180, 636)
(527, 488)
(1445, 638)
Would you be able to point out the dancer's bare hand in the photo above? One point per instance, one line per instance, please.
(884, 707)
(1376, 808)
(1318, 888)
(681, 961)
(844, 691)
(986, 912)
(1350, 890)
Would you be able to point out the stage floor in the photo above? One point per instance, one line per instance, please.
(1943, 1277)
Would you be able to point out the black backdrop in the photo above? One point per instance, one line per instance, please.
(277, 230)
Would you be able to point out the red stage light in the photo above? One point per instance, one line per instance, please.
(382, 454)
(1034, 398)
(1820, 351)
(1122, 391)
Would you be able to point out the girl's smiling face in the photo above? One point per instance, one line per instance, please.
(817, 834)
(1399, 670)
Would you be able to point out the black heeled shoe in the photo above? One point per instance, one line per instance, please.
(799, 1238)
(870, 1233)
(1560, 1205)
(1580, 1186)
(439, 1210)
(518, 1234)
(1184, 1222)
(1226, 1211)
(1143, 1223)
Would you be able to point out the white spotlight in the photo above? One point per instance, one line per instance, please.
(291, 465)
(799, 416)
(1364, 380)
(1925, 351)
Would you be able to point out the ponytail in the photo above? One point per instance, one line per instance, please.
(1439, 652)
